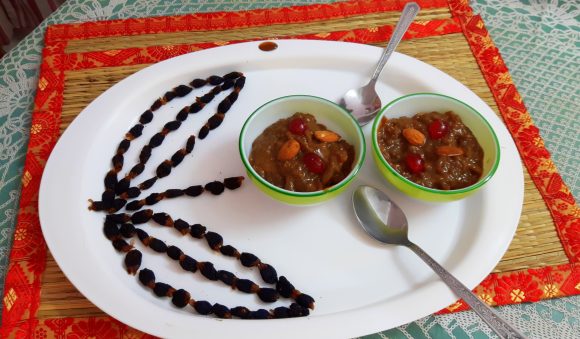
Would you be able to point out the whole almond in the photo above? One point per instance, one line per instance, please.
(414, 137)
(289, 150)
(326, 136)
(449, 151)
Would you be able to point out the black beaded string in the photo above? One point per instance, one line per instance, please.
(121, 226)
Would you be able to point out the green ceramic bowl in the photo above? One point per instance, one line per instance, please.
(327, 113)
(412, 104)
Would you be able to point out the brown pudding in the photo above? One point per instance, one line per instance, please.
(434, 150)
(301, 155)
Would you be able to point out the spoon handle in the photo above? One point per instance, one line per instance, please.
(500, 326)
(409, 12)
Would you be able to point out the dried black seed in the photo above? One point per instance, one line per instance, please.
(133, 261)
(221, 311)
(108, 197)
(215, 187)
(137, 169)
(121, 245)
(118, 204)
(136, 130)
(111, 230)
(161, 289)
(173, 193)
(268, 273)
(207, 97)
(146, 117)
(133, 192)
(145, 154)
(229, 250)
(232, 75)
(183, 114)
(208, 270)
(177, 157)
(156, 104)
(141, 217)
(281, 312)
(215, 80)
(117, 218)
(122, 186)
(180, 298)
(168, 96)
(305, 300)
(224, 106)
(182, 90)
(152, 199)
(268, 295)
(190, 144)
(194, 191)
(134, 205)
(249, 260)
(157, 245)
(232, 97)
(188, 263)
(111, 180)
(202, 307)
(240, 82)
(142, 235)
(216, 90)
(174, 252)
(240, 312)
(203, 132)
(215, 120)
(195, 107)
(197, 83)
(127, 230)
(284, 287)
(226, 277)
(146, 277)
(148, 183)
(123, 146)
(214, 240)
(181, 226)
(98, 206)
(164, 169)
(228, 83)
(197, 231)
(162, 219)
(156, 140)
(246, 286)
(172, 125)
(260, 314)
(117, 161)
(298, 311)
(233, 182)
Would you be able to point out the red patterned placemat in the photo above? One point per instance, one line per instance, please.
(28, 257)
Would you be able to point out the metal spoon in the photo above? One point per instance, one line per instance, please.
(386, 222)
(364, 102)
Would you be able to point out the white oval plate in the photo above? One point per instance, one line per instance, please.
(360, 286)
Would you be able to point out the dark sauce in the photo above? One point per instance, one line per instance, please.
(268, 46)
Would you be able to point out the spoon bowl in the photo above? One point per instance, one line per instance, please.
(386, 222)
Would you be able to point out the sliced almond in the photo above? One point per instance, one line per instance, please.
(326, 136)
(289, 150)
(414, 136)
(449, 151)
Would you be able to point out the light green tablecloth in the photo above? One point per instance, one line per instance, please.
(539, 40)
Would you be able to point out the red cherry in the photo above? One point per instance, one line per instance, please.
(437, 129)
(415, 163)
(297, 126)
(313, 162)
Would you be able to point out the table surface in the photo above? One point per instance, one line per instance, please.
(538, 39)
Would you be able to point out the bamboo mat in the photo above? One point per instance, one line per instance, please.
(536, 243)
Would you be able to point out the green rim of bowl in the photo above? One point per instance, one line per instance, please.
(336, 187)
(473, 187)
